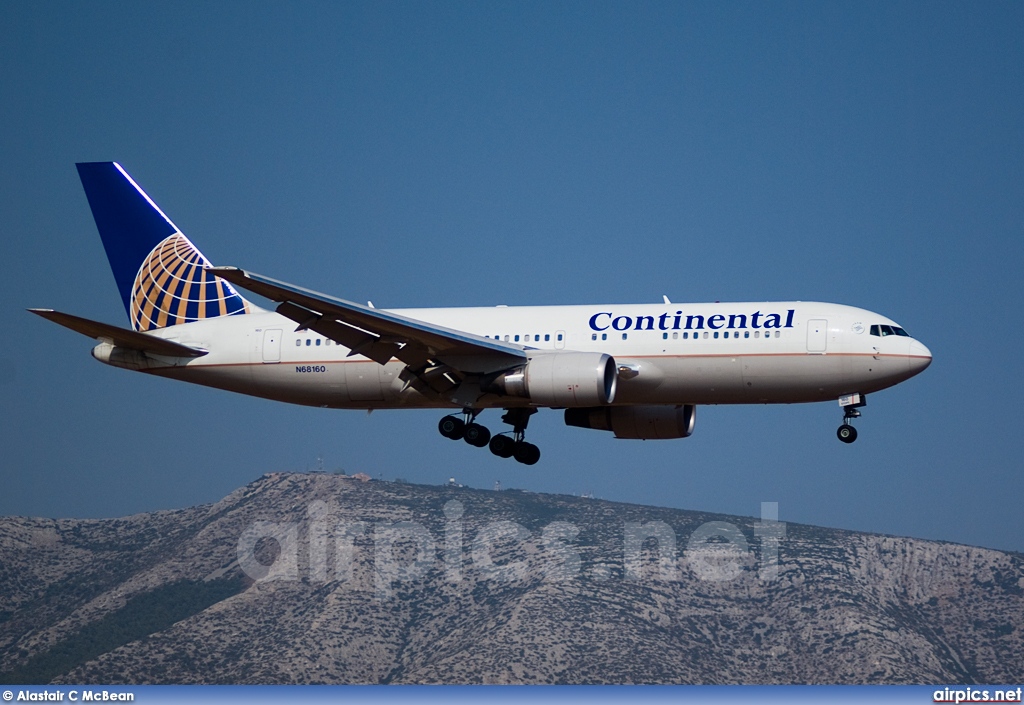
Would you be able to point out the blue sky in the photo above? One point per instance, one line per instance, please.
(444, 154)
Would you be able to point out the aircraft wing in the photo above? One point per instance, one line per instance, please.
(379, 335)
(118, 336)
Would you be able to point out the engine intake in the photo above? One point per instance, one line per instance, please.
(641, 422)
(562, 379)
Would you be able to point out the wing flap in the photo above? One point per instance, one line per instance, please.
(380, 335)
(358, 341)
(118, 336)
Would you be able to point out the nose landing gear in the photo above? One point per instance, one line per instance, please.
(847, 433)
(851, 404)
(502, 445)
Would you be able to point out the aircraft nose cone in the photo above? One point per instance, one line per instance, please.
(920, 358)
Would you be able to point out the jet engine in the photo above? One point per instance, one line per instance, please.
(562, 379)
(641, 422)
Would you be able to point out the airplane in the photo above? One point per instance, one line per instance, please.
(636, 370)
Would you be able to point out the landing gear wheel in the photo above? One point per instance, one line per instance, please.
(847, 433)
(526, 453)
(451, 427)
(502, 446)
(476, 435)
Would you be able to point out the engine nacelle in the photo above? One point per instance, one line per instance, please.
(641, 422)
(563, 379)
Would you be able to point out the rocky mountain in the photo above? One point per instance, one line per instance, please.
(315, 578)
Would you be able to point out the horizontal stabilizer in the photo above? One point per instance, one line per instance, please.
(118, 336)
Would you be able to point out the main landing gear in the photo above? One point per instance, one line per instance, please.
(472, 433)
(502, 445)
(851, 404)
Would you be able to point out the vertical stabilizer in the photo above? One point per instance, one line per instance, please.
(161, 275)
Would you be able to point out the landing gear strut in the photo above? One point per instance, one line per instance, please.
(851, 404)
(503, 445)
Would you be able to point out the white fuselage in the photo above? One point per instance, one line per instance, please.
(722, 353)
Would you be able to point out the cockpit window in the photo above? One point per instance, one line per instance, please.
(882, 331)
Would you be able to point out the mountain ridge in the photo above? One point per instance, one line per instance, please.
(330, 579)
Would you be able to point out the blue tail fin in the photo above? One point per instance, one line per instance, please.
(160, 274)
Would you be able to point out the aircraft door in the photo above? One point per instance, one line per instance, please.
(272, 345)
(817, 335)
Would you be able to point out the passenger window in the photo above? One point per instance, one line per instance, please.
(593, 336)
(506, 338)
(517, 338)
(675, 336)
(716, 333)
(664, 336)
(547, 337)
(559, 336)
(318, 342)
(624, 335)
(298, 342)
(757, 334)
(686, 335)
(746, 334)
(526, 339)
(604, 336)
(308, 342)
(778, 333)
(705, 335)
